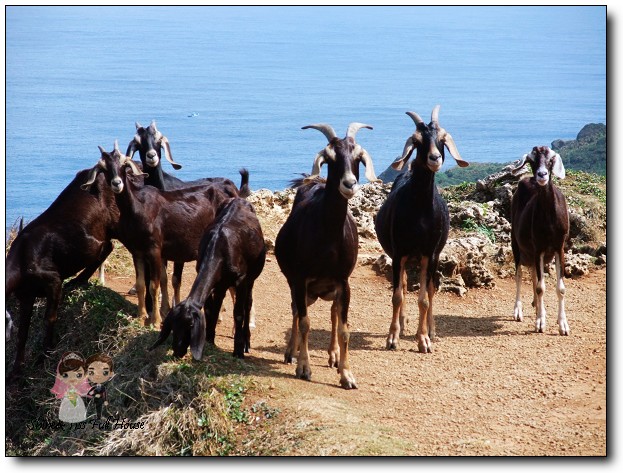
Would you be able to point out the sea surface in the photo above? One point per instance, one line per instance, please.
(232, 86)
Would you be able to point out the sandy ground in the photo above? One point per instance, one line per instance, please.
(492, 386)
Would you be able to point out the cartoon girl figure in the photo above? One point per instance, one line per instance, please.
(71, 383)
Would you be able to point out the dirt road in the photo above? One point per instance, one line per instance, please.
(491, 386)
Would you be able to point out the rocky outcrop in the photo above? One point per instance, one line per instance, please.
(478, 249)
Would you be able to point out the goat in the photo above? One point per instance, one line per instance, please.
(151, 143)
(412, 225)
(232, 254)
(539, 229)
(157, 225)
(316, 247)
(71, 235)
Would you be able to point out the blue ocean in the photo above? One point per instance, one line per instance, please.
(232, 86)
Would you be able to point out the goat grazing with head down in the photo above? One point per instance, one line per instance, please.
(539, 229)
(74, 234)
(157, 225)
(317, 247)
(413, 223)
(232, 254)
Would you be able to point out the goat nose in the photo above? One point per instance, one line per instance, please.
(541, 173)
(151, 153)
(349, 183)
(434, 157)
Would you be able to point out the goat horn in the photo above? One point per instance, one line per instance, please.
(406, 153)
(137, 125)
(434, 117)
(448, 141)
(327, 130)
(125, 160)
(354, 127)
(167, 152)
(102, 150)
(116, 148)
(416, 118)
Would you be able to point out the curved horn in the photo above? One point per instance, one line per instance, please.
(448, 141)
(138, 125)
(167, 152)
(354, 127)
(416, 118)
(399, 163)
(102, 150)
(434, 116)
(327, 130)
(116, 148)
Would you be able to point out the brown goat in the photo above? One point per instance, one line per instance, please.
(317, 248)
(540, 227)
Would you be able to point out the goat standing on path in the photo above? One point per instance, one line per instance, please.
(413, 224)
(317, 247)
(540, 227)
(232, 254)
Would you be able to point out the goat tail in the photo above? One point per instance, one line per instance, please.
(245, 190)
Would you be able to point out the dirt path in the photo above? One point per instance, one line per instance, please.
(491, 387)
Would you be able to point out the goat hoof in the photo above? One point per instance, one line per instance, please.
(563, 330)
(348, 383)
(392, 343)
(424, 345)
(303, 373)
(333, 360)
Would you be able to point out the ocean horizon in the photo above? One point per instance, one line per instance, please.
(231, 87)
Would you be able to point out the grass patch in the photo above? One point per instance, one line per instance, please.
(185, 407)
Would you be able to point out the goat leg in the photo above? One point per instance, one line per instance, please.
(334, 351)
(292, 348)
(518, 313)
(347, 380)
(563, 326)
(539, 283)
(25, 305)
(398, 268)
(239, 319)
(422, 337)
(303, 369)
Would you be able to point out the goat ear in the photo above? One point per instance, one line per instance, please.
(319, 160)
(518, 169)
(127, 161)
(164, 333)
(198, 335)
(167, 152)
(366, 160)
(558, 169)
(399, 163)
(448, 142)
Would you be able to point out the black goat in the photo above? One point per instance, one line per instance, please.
(232, 254)
(157, 225)
(412, 225)
(73, 234)
(317, 247)
(151, 143)
(540, 227)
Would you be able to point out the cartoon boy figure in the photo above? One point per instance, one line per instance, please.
(99, 371)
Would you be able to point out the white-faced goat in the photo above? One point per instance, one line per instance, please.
(412, 225)
(232, 254)
(157, 225)
(150, 144)
(540, 227)
(317, 248)
(74, 234)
